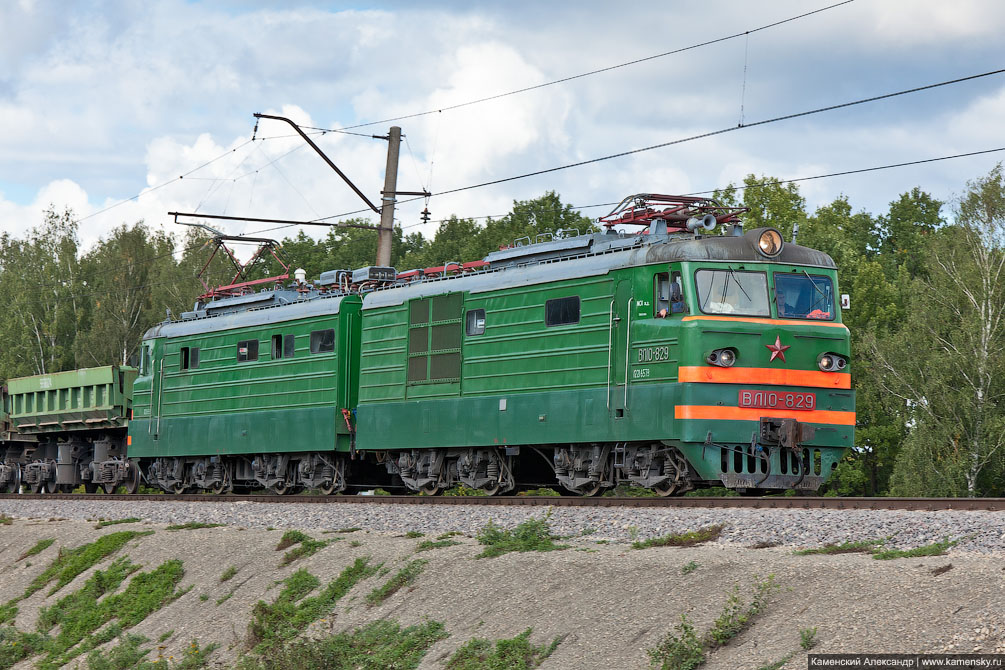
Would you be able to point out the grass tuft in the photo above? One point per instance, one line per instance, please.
(855, 547)
(71, 562)
(194, 525)
(377, 646)
(39, 547)
(290, 538)
(228, 574)
(404, 577)
(412, 534)
(428, 545)
(935, 549)
(688, 539)
(6, 520)
(531, 535)
(516, 653)
(115, 522)
(688, 568)
(273, 625)
(543, 492)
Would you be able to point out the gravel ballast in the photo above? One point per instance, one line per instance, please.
(975, 531)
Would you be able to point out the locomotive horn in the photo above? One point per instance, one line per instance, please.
(706, 222)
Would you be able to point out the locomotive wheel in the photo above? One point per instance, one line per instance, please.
(492, 490)
(281, 488)
(177, 488)
(430, 488)
(666, 489)
(219, 488)
(39, 488)
(327, 487)
(132, 478)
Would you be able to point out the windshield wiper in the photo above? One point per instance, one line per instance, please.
(733, 275)
(817, 289)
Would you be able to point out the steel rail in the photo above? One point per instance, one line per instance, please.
(770, 502)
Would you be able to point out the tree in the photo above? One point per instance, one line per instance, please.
(771, 203)
(910, 222)
(45, 297)
(946, 364)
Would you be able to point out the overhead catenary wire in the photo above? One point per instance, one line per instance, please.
(741, 187)
(581, 75)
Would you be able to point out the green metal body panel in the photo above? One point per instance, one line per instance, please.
(270, 405)
(90, 399)
(611, 377)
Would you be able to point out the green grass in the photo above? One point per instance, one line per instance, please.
(854, 547)
(462, 490)
(16, 646)
(127, 655)
(194, 525)
(39, 547)
(936, 549)
(685, 650)
(272, 625)
(688, 568)
(689, 539)
(355, 543)
(6, 520)
(114, 522)
(404, 577)
(71, 562)
(381, 645)
(629, 491)
(428, 545)
(808, 638)
(290, 538)
(83, 615)
(351, 529)
(449, 534)
(516, 653)
(546, 492)
(531, 535)
(412, 534)
(712, 492)
(306, 546)
(165, 636)
(228, 574)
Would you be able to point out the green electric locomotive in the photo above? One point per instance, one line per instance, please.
(672, 358)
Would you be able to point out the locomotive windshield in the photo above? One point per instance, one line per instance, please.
(801, 296)
(732, 292)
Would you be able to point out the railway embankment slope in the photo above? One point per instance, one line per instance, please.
(248, 591)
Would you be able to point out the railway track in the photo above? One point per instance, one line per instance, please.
(770, 502)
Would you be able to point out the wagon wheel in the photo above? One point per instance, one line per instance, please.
(132, 478)
(14, 485)
(281, 488)
(492, 490)
(177, 488)
(328, 487)
(225, 485)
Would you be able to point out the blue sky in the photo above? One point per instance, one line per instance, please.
(101, 101)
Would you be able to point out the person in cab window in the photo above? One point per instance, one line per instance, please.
(728, 302)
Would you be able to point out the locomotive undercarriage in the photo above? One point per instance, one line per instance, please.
(281, 473)
(60, 466)
(431, 470)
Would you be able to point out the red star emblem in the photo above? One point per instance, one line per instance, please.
(777, 349)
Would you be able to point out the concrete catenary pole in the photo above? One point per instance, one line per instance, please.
(386, 232)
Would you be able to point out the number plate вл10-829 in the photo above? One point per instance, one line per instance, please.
(777, 399)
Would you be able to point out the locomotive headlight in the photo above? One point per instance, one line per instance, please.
(769, 242)
(724, 358)
(831, 362)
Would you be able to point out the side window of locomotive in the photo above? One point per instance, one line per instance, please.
(677, 304)
(247, 350)
(804, 296)
(475, 322)
(561, 311)
(189, 358)
(322, 341)
(145, 362)
(289, 345)
(661, 295)
(282, 346)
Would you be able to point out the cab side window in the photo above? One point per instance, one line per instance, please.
(661, 295)
(677, 304)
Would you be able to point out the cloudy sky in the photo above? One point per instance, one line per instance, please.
(101, 102)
